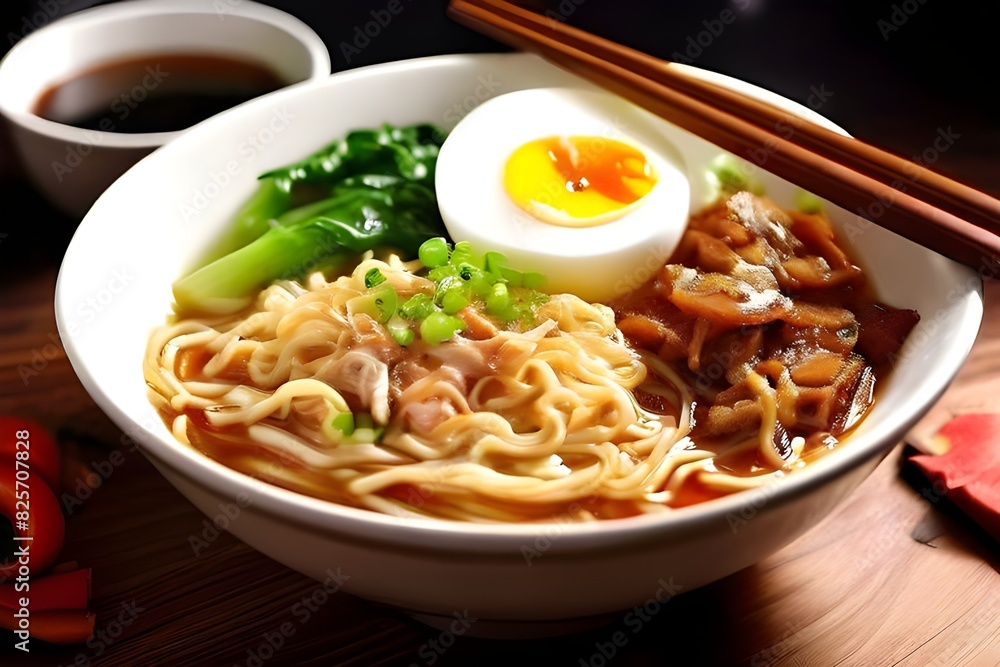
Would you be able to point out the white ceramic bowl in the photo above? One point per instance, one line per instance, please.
(73, 166)
(514, 578)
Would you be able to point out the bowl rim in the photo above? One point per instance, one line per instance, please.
(441, 536)
(319, 59)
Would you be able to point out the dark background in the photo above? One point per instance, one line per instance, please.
(893, 88)
(893, 83)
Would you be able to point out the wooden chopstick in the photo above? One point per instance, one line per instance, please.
(848, 183)
(936, 189)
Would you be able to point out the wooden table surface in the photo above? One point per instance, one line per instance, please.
(890, 578)
(858, 589)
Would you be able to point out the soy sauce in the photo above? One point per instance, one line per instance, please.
(155, 93)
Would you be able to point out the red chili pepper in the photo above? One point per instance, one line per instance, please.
(30, 472)
(40, 450)
(34, 512)
(61, 590)
(969, 472)
(55, 627)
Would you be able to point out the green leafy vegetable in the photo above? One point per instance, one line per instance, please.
(271, 199)
(408, 152)
(375, 190)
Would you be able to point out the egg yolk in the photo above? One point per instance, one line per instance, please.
(577, 181)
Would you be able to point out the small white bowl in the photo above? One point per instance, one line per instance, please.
(73, 166)
(515, 579)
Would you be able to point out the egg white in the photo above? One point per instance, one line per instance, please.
(596, 263)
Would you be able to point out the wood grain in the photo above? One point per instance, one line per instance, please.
(856, 590)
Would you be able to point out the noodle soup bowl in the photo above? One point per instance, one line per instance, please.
(515, 579)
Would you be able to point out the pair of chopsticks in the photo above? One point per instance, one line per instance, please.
(928, 208)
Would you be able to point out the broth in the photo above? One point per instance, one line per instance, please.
(155, 93)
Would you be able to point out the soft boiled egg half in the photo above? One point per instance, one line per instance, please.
(579, 185)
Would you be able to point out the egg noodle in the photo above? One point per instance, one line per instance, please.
(753, 351)
(517, 427)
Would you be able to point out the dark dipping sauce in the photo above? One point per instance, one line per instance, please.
(155, 93)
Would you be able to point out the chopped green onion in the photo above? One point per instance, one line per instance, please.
(807, 202)
(462, 279)
(462, 253)
(403, 336)
(533, 280)
(513, 278)
(386, 301)
(447, 284)
(493, 262)
(434, 252)
(727, 171)
(453, 301)
(510, 313)
(439, 327)
(400, 331)
(498, 299)
(374, 277)
(367, 435)
(479, 285)
(344, 422)
(380, 304)
(417, 307)
(439, 273)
